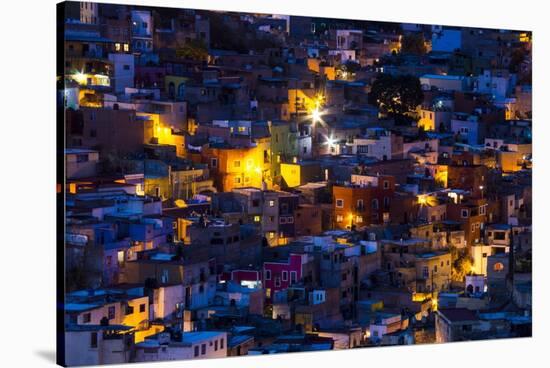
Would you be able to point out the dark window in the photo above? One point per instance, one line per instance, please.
(93, 340)
(142, 308)
(197, 351)
(86, 318)
(221, 343)
(111, 312)
(126, 67)
(203, 349)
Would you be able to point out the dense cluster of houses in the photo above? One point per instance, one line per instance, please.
(242, 184)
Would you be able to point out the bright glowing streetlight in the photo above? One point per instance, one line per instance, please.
(316, 115)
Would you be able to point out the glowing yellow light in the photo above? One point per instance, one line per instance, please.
(258, 170)
(422, 200)
(180, 203)
(316, 115)
(330, 141)
(256, 218)
(80, 78)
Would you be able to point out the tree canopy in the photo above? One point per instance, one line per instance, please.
(396, 95)
(413, 44)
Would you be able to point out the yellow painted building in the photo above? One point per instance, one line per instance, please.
(296, 174)
(301, 100)
(164, 134)
(237, 167)
(137, 316)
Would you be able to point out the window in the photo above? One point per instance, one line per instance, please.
(214, 162)
(360, 204)
(221, 343)
(257, 218)
(482, 210)
(359, 219)
(117, 46)
(197, 351)
(386, 202)
(271, 235)
(203, 349)
(425, 272)
(285, 275)
(237, 163)
(86, 317)
(111, 312)
(129, 310)
(141, 308)
(464, 213)
(340, 203)
(386, 184)
(271, 203)
(126, 47)
(277, 282)
(375, 204)
(237, 180)
(500, 235)
(216, 345)
(498, 267)
(293, 276)
(268, 274)
(93, 340)
(339, 218)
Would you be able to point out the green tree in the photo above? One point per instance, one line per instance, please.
(396, 95)
(413, 43)
(193, 50)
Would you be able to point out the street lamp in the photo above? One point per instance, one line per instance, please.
(481, 189)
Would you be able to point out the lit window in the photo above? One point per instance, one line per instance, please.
(498, 267)
(257, 218)
(339, 218)
(126, 47)
(117, 46)
(359, 219)
(271, 203)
